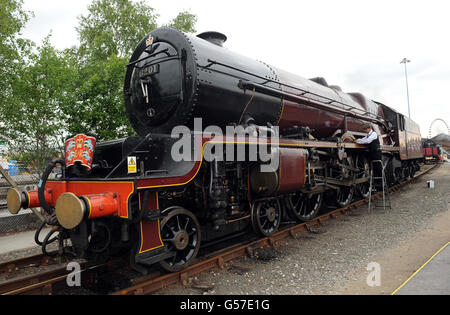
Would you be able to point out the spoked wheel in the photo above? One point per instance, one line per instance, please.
(304, 207)
(345, 196)
(362, 163)
(266, 217)
(180, 232)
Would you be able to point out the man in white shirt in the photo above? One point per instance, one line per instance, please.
(373, 144)
(370, 137)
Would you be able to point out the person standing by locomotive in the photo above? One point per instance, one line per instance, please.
(373, 144)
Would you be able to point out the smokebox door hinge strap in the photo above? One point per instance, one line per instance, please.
(144, 91)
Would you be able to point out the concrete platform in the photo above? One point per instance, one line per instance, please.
(433, 278)
(5, 213)
(12, 223)
(19, 241)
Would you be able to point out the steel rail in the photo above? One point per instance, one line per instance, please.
(51, 281)
(31, 261)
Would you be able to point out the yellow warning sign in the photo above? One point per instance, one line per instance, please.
(132, 168)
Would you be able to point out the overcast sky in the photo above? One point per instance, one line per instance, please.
(356, 44)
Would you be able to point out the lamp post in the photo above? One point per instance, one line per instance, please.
(405, 61)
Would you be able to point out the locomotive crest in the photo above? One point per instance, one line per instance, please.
(80, 149)
(149, 41)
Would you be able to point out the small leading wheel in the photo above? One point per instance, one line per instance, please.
(266, 216)
(180, 232)
(304, 207)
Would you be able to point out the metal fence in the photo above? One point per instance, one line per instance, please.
(16, 174)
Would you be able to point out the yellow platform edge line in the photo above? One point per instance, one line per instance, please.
(413, 275)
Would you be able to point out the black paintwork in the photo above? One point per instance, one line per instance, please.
(189, 84)
(153, 155)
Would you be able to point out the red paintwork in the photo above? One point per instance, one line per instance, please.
(80, 149)
(150, 237)
(324, 122)
(33, 198)
(102, 205)
(124, 191)
(292, 170)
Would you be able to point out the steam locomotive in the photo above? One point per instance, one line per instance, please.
(275, 147)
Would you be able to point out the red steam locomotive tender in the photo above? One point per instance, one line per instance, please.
(133, 195)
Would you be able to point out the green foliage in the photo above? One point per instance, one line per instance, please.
(184, 21)
(114, 27)
(108, 35)
(99, 106)
(12, 20)
(47, 95)
(33, 125)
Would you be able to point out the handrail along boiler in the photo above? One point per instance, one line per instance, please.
(130, 195)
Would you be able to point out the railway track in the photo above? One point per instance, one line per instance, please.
(50, 282)
(31, 261)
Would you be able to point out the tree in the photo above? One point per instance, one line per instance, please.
(184, 21)
(33, 118)
(47, 94)
(108, 35)
(114, 27)
(98, 107)
(12, 20)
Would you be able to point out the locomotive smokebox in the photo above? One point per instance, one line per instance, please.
(171, 80)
